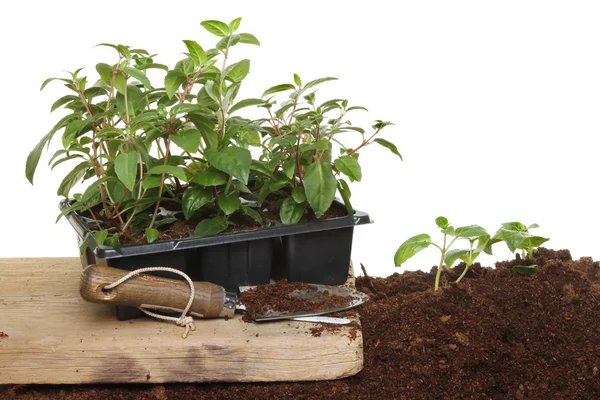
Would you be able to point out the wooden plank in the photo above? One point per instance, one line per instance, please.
(55, 337)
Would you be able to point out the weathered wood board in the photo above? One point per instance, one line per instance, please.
(55, 337)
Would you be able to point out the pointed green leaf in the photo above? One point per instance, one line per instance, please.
(211, 177)
(318, 145)
(210, 227)
(411, 247)
(453, 255)
(297, 80)
(217, 28)
(245, 103)
(196, 52)
(442, 222)
(168, 169)
(252, 213)
(139, 75)
(229, 204)
(72, 178)
(470, 231)
(392, 147)
(47, 81)
(188, 140)
(100, 237)
(238, 71)
(344, 190)
(233, 25)
(350, 167)
(232, 160)
(126, 168)
(320, 186)
(194, 198)
(227, 42)
(318, 81)
(291, 212)
(151, 234)
(248, 39)
(106, 72)
(62, 101)
(73, 130)
(173, 80)
(526, 269)
(278, 88)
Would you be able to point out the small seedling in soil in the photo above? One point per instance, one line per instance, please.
(517, 237)
(478, 238)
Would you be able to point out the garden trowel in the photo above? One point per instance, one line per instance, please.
(210, 300)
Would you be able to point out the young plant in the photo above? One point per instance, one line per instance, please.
(517, 237)
(142, 144)
(475, 235)
(298, 160)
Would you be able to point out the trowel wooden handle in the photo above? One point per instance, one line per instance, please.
(210, 300)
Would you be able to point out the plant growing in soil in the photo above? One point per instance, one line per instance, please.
(153, 148)
(475, 235)
(297, 160)
(516, 235)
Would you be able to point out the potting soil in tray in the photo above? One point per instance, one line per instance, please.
(278, 297)
(496, 335)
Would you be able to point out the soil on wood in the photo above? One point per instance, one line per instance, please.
(496, 335)
(282, 296)
(182, 229)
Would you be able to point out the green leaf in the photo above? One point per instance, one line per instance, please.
(165, 221)
(72, 178)
(211, 177)
(356, 108)
(248, 39)
(113, 241)
(532, 242)
(193, 199)
(252, 213)
(73, 130)
(227, 42)
(126, 168)
(392, 147)
(151, 234)
(320, 186)
(153, 65)
(34, 156)
(238, 71)
(217, 28)
(188, 140)
(229, 204)
(209, 227)
(233, 25)
(168, 169)
(278, 88)
(526, 269)
(139, 75)
(173, 80)
(288, 167)
(453, 255)
(151, 182)
(196, 52)
(318, 145)
(411, 247)
(297, 80)
(47, 81)
(245, 103)
(106, 72)
(350, 167)
(442, 222)
(318, 81)
(232, 160)
(515, 226)
(291, 212)
(344, 190)
(100, 237)
(298, 194)
(62, 101)
(212, 90)
(470, 231)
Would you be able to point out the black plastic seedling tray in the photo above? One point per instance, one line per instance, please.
(312, 252)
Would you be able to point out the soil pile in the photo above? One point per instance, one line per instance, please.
(497, 335)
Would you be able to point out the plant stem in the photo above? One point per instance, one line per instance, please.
(439, 270)
(228, 185)
(463, 274)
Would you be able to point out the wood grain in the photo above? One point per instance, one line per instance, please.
(54, 337)
(147, 290)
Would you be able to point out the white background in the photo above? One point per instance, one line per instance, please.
(496, 105)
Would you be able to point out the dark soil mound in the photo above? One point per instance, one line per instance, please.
(496, 335)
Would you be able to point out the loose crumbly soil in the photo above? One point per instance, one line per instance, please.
(282, 296)
(496, 335)
(182, 229)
